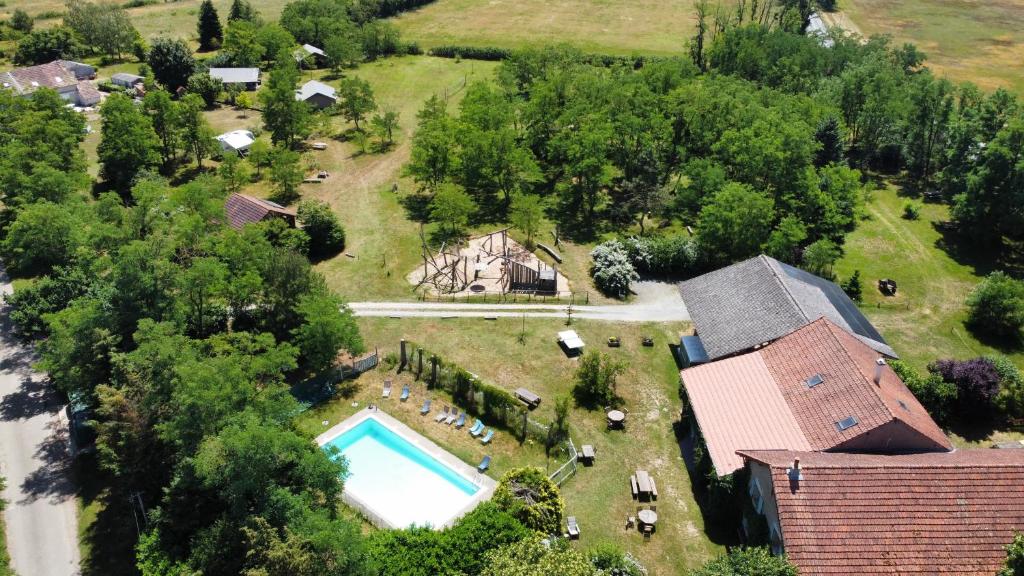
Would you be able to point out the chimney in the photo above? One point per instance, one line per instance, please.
(796, 463)
(795, 475)
(879, 365)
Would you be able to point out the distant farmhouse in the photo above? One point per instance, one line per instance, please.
(247, 77)
(242, 209)
(749, 304)
(316, 94)
(310, 51)
(865, 514)
(69, 79)
(816, 389)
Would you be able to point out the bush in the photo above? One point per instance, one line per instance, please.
(596, 380)
(532, 498)
(747, 562)
(326, 235)
(853, 287)
(1014, 565)
(471, 52)
(610, 560)
(936, 395)
(996, 306)
(675, 256)
(977, 382)
(1010, 400)
(911, 211)
(612, 270)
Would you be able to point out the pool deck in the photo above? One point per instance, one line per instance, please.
(470, 473)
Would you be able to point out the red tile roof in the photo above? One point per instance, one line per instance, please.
(243, 209)
(864, 514)
(848, 366)
(30, 78)
(761, 400)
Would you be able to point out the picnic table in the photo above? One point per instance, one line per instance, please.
(643, 482)
(531, 399)
(649, 517)
(587, 454)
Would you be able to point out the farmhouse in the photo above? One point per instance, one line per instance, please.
(937, 513)
(54, 75)
(816, 389)
(126, 80)
(248, 77)
(242, 209)
(316, 94)
(237, 141)
(751, 303)
(307, 51)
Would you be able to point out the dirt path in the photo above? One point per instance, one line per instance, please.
(842, 20)
(654, 302)
(41, 509)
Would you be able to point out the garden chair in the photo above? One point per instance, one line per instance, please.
(387, 389)
(487, 437)
(484, 464)
(477, 428)
(574, 528)
(442, 415)
(461, 421)
(426, 407)
(405, 393)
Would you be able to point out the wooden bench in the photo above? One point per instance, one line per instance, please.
(636, 491)
(528, 397)
(551, 252)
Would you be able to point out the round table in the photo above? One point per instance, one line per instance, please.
(647, 517)
(616, 416)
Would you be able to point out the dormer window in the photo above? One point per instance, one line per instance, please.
(814, 380)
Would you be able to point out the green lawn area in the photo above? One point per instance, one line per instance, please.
(598, 496)
(925, 320)
(980, 42)
(606, 26)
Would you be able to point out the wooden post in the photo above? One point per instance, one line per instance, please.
(419, 370)
(402, 358)
(433, 370)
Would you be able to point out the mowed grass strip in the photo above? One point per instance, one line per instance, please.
(606, 26)
(598, 496)
(979, 42)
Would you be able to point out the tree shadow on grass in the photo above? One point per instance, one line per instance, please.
(112, 534)
(721, 528)
(417, 207)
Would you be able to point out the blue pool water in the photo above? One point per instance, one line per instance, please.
(397, 480)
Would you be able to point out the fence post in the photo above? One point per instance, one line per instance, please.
(433, 370)
(419, 367)
(402, 358)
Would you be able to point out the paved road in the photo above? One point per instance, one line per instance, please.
(654, 302)
(42, 530)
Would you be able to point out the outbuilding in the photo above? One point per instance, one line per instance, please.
(316, 94)
(125, 80)
(247, 77)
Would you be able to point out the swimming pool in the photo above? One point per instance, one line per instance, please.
(398, 478)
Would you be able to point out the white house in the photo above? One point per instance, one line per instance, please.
(249, 77)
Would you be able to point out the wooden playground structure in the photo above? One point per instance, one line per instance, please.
(486, 264)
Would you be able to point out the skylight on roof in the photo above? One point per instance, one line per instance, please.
(846, 423)
(814, 380)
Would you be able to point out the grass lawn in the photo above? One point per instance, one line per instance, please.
(598, 496)
(606, 26)
(925, 320)
(980, 42)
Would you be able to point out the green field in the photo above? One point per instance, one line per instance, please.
(607, 26)
(978, 41)
(598, 496)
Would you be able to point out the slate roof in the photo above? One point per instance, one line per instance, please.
(313, 50)
(756, 301)
(938, 513)
(236, 75)
(762, 400)
(313, 87)
(242, 209)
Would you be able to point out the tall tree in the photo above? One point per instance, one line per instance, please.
(285, 175)
(196, 133)
(355, 99)
(172, 62)
(211, 34)
(103, 26)
(243, 10)
(128, 143)
(287, 119)
(163, 113)
(735, 223)
(451, 208)
(526, 214)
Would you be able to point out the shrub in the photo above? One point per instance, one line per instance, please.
(471, 52)
(976, 381)
(612, 270)
(532, 498)
(596, 380)
(911, 211)
(326, 235)
(747, 562)
(610, 560)
(675, 256)
(1010, 400)
(997, 306)
(936, 395)
(1014, 557)
(853, 287)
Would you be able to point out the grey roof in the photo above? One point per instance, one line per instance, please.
(313, 87)
(126, 77)
(310, 49)
(759, 300)
(236, 75)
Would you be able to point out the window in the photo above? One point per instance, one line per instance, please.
(814, 380)
(775, 538)
(846, 423)
(755, 495)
